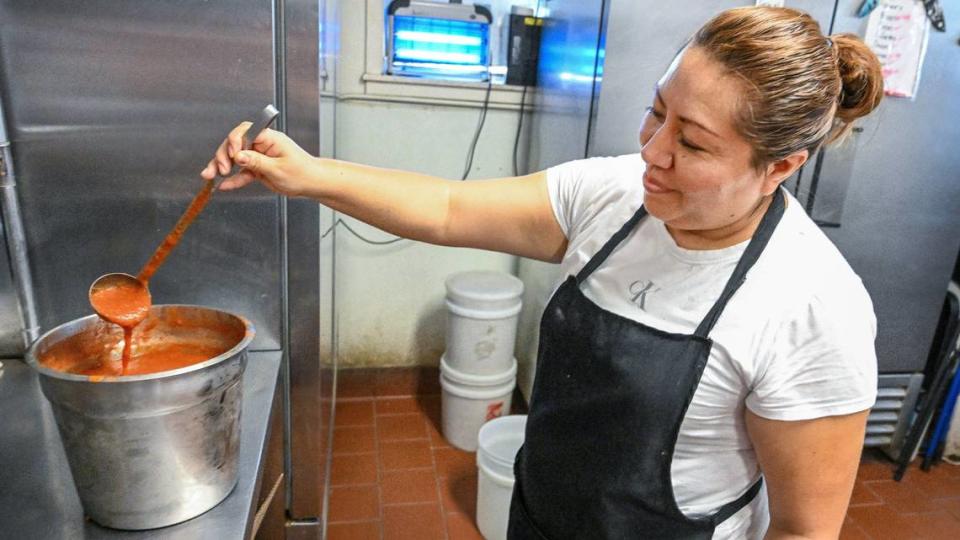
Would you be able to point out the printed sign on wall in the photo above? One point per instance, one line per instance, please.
(898, 32)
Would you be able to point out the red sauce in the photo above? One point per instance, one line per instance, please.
(122, 305)
(160, 344)
(127, 306)
(127, 346)
(66, 356)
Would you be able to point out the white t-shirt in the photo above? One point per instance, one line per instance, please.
(795, 342)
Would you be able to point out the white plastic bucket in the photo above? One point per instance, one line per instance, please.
(499, 441)
(482, 313)
(468, 401)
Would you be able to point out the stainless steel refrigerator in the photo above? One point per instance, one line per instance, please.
(111, 109)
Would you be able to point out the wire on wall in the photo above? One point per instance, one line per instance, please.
(516, 138)
(360, 236)
(466, 169)
(476, 135)
(523, 103)
(468, 161)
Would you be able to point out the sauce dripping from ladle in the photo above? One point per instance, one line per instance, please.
(125, 300)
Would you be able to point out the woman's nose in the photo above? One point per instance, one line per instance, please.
(658, 151)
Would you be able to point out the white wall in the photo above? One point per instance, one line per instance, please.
(389, 299)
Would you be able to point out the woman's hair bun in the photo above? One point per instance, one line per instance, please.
(862, 82)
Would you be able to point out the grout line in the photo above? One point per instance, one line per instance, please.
(436, 478)
(351, 521)
(355, 453)
(424, 468)
(420, 503)
(376, 446)
(374, 397)
(862, 531)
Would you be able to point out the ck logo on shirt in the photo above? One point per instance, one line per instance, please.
(639, 290)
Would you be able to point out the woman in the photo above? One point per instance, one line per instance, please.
(693, 348)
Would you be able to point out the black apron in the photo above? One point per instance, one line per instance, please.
(609, 395)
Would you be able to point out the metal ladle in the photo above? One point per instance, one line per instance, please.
(134, 288)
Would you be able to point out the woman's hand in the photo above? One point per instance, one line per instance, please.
(511, 215)
(274, 159)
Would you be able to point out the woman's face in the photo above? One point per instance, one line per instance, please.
(699, 174)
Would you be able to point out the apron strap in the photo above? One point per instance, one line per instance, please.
(756, 246)
(611, 244)
(735, 506)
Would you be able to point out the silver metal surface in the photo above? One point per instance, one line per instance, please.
(303, 529)
(568, 72)
(326, 254)
(310, 383)
(568, 69)
(11, 326)
(271, 514)
(18, 323)
(113, 110)
(900, 227)
(454, 11)
(151, 450)
(278, 12)
(38, 499)
(891, 416)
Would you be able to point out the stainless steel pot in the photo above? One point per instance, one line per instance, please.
(151, 450)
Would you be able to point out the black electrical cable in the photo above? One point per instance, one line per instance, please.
(466, 172)
(360, 236)
(476, 134)
(469, 160)
(516, 138)
(523, 102)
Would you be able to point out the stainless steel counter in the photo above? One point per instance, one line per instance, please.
(37, 495)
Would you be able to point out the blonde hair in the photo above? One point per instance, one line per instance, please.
(803, 88)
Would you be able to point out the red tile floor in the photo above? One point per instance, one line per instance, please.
(924, 505)
(395, 477)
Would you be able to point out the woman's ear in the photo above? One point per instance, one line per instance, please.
(780, 170)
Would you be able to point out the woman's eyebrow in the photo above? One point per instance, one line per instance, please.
(684, 119)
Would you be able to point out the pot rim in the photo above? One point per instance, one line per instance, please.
(33, 362)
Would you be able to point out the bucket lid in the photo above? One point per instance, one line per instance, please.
(470, 379)
(498, 442)
(484, 289)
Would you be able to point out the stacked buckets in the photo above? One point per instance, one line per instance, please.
(478, 372)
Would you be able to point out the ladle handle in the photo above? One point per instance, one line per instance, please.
(260, 123)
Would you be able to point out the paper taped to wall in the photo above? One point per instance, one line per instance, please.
(898, 33)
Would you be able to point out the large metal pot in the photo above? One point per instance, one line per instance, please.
(151, 450)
